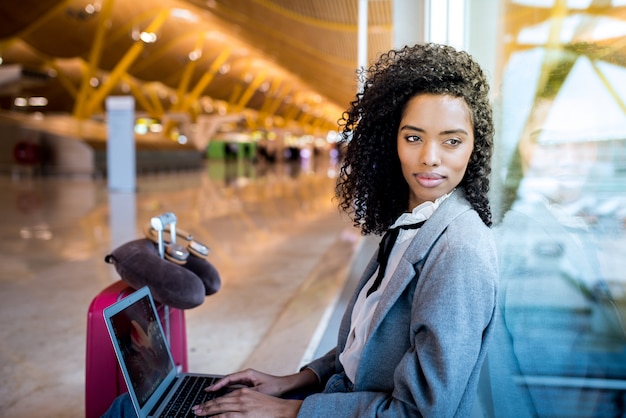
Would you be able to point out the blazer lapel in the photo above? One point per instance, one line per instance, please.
(428, 234)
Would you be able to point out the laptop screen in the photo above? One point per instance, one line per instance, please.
(142, 347)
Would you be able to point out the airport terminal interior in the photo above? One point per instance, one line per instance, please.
(228, 110)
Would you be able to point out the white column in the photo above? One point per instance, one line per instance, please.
(362, 55)
(409, 22)
(121, 171)
(483, 34)
(122, 217)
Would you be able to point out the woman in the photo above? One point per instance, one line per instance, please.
(419, 143)
(412, 341)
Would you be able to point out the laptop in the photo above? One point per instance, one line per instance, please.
(156, 387)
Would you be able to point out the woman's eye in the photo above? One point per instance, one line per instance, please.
(453, 141)
(413, 138)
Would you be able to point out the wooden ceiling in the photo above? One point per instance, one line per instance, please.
(279, 62)
(293, 61)
(314, 39)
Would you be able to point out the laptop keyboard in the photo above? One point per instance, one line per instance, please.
(189, 393)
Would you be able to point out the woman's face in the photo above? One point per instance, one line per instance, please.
(435, 142)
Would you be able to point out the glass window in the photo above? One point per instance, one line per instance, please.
(559, 349)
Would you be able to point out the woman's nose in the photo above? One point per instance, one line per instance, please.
(429, 155)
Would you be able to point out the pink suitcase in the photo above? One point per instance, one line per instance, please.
(103, 379)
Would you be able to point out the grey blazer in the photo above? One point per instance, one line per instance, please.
(430, 331)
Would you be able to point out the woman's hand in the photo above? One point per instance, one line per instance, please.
(266, 383)
(248, 402)
(259, 398)
(255, 380)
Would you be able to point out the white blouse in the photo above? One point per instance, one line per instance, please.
(366, 305)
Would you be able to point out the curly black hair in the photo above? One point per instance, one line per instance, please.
(370, 187)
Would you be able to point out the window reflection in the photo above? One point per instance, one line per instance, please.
(560, 345)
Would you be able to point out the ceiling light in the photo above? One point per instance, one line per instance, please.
(225, 69)
(148, 37)
(332, 137)
(38, 101)
(184, 14)
(195, 55)
(214, 35)
(141, 129)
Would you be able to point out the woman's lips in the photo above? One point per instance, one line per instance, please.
(429, 179)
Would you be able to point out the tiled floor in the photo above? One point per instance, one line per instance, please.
(277, 239)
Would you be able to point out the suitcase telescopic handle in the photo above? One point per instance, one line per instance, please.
(159, 223)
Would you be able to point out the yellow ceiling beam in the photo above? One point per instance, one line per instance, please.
(316, 123)
(94, 58)
(8, 43)
(251, 122)
(235, 92)
(183, 86)
(249, 91)
(553, 46)
(305, 118)
(274, 98)
(155, 100)
(63, 79)
(155, 56)
(123, 65)
(292, 113)
(122, 31)
(138, 94)
(278, 101)
(609, 87)
(206, 78)
(196, 93)
(271, 95)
